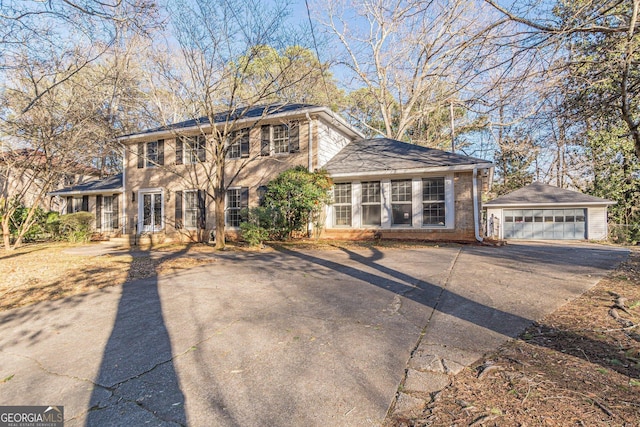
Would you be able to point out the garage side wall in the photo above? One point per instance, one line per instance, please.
(597, 223)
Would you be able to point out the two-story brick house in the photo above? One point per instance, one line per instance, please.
(382, 187)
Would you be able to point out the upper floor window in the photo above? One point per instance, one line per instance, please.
(191, 149)
(151, 154)
(280, 139)
(238, 144)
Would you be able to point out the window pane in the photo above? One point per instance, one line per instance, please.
(152, 153)
(343, 215)
(147, 209)
(191, 209)
(401, 191)
(371, 214)
(433, 214)
(371, 192)
(433, 189)
(234, 206)
(236, 140)
(401, 214)
(280, 139)
(342, 193)
(157, 211)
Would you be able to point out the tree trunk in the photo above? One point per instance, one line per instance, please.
(220, 195)
(6, 235)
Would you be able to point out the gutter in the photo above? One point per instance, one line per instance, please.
(408, 172)
(87, 193)
(476, 213)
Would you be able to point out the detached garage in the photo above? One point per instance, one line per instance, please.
(544, 212)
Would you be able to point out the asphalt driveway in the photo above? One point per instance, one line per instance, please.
(285, 338)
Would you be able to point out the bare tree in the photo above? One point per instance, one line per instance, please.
(601, 42)
(410, 60)
(221, 75)
(68, 129)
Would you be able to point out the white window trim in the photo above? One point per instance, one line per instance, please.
(187, 149)
(411, 203)
(140, 196)
(226, 207)
(447, 204)
(184, 209)
(335, 216)
(107, 225)
(360, 205)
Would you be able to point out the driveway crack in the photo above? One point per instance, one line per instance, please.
(424, 330)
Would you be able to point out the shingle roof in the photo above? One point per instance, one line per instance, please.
(383, 154)
(254, 112)
(545, 194)
(112, 183)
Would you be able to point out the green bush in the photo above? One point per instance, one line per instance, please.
(36, 230)
(293, 200)
(255, 230)
(52, 224)
(76, 227)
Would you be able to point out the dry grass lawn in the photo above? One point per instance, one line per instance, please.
(45, 271)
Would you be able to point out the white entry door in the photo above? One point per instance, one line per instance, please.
(151, 215)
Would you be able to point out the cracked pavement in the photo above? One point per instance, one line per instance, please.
(285, 338)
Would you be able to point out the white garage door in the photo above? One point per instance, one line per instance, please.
(545, 224)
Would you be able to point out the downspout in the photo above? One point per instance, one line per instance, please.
(123, 214)
(310, 150)
(476, 212)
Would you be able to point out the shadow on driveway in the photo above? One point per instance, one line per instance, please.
(137, 376)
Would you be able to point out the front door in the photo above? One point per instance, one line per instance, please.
(152, 207)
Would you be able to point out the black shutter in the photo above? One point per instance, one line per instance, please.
(179, 150)
(294, 137)
(161, 152)
(244, 203)
(202, 148)
(244, 143)
(265, 145)
(140, 155)
(85, 203)
(69, 205)
(98, 211)
(178, 217)
(202, 209)
(116, 211)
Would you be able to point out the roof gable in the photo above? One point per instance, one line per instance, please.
(388, 155)
(545, 194)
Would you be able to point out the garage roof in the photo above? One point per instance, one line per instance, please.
(544, 194)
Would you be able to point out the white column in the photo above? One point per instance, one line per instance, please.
(356, 197)
(416, 202)
(449, 202)
(385, 185)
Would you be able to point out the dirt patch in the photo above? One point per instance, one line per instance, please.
(579, 366)
(42, 272)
